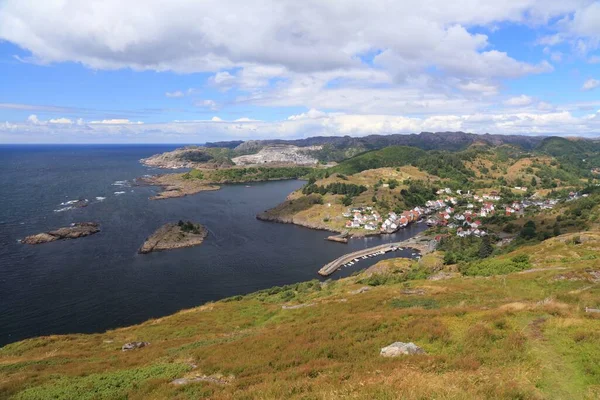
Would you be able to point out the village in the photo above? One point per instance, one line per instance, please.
(463, 213)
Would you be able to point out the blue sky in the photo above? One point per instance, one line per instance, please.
(190, 72)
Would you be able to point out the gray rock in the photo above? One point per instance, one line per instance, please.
(401, 348)
(134, 345)
(361, 290)
(217, 378)
(297, 306)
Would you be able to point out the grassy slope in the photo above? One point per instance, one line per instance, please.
(328, 215)
(523, 335)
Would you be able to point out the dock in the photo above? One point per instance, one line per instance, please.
(424, 245)
(341, 238)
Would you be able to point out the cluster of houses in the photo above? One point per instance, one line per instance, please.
(362, 217)
(395, 221)
(441, 212)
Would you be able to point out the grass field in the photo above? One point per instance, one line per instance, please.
(524, 335)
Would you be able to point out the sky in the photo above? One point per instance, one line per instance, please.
(191, 71)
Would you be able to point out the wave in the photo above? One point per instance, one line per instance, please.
(68, 203)
(121, 183)
(99, 198)
(119, 193)
(71, 204)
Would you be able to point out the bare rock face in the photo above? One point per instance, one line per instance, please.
(134, 345)
(282, 154)
(175, 236)
(400, 348)
(74, 231)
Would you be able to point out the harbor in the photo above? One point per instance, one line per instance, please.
(422, 245)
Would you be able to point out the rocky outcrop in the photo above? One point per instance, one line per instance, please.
(215, 378)
(297, 306)
(186, 157)
(175, 236)
(134, 345)
(78, 230)
(401, 348)
(175, 185)
(361, 290)
(280, 155)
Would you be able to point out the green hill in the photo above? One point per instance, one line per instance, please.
(393, 156)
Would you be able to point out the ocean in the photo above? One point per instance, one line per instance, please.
(99, 282)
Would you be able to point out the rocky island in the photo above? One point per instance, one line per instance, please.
(77, 230)
(175, 236)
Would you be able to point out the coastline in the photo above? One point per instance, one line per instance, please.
(315, 226)
(174, 186)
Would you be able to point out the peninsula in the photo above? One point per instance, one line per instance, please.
(75, 231)
(175, 236)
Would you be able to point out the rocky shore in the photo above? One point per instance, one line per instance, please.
(175, 236)
(74, 231)
(321, 226)
(175, 185)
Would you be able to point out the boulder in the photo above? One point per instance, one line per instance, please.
(361, 290)
(401, 348)
(134, 345)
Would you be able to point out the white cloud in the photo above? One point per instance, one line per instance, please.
(175, 94)
(8, 126)
(33, 119)
(479, 87)
(594, 60)
(311, 114)
(210, 104)
(519, 101)
(64, 121)
(590, 84)
(297, 36)
(311, 123)
(115, 122)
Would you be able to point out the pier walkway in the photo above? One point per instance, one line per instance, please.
(421, 244)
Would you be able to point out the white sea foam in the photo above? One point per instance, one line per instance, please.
(121, 183)
(63, 209)
(66, 203)
(119, 193)
(99, 198)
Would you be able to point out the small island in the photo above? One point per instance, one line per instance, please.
(75, 231)
(175, 236)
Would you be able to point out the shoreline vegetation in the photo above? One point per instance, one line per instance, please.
(199, 180)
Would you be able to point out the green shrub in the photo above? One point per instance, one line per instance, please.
(489, 267)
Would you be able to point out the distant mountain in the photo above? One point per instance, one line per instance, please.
(452, 141)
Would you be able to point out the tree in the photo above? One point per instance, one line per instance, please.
(485, 248)
(533, 181)
(347, 200)
(529, 230)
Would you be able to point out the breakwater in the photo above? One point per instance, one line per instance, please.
(422, 244)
